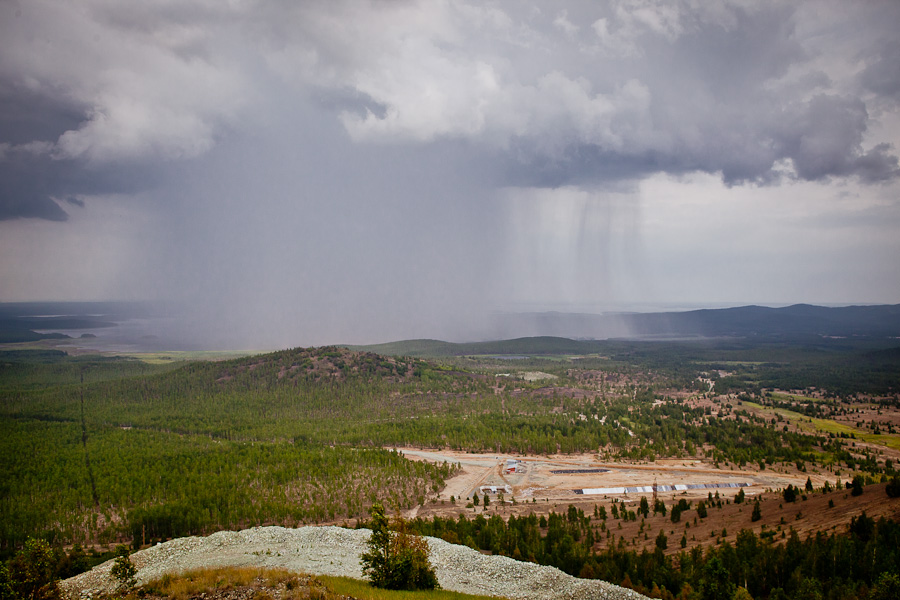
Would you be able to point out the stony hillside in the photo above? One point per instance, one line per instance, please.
(325, 364)
(336, 551)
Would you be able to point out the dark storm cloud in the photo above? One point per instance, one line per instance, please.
(23, 197)
(32, 178)
(32, 186)
(882, 72)
(550, 94)
(27, 115)
(738, 98)
(823, 138)
(29, 123)
(364, 170)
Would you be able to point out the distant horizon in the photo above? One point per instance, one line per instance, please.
(322, 171)
(574, 308)
(138, 327)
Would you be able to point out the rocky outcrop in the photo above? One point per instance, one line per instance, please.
(336, 551)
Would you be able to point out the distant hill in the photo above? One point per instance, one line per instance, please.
(546, 345)
(800, 323)
(799, 319)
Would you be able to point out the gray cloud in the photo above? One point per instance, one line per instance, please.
(882, 72)
(588, 93)
(33, 178)
(18, 200)
(32, 186)
(393, 168)
(823, 138)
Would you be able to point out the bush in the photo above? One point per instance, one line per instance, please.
(32, 572)
(6, 585)
(662, 542)
(893, 487)
(123, 569)
(396, 560)
(887, 587)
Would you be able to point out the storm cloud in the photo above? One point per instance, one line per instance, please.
(326, 151)
(724, 87)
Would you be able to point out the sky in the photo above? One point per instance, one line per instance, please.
(295, 173)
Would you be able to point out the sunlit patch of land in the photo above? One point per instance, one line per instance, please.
(155, 358)
(814, 424)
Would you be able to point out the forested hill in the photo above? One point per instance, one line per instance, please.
(796, 320)
(320, 365)
(278, 395)
(800, 324)
(546, 345)
(94, 449)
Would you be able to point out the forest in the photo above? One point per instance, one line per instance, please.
(848, 564)
(103, 450)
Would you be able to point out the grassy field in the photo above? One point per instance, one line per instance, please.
(785, 397)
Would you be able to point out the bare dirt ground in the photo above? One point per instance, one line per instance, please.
(536, 478)
(803, 516)
(866, 415)
(537, 490)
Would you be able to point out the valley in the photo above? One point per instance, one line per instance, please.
(605, 459)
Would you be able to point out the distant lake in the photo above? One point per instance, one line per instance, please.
(100, 326)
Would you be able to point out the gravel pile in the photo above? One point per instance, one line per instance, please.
(336, 551)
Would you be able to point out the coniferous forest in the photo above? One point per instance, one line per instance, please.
(98, 451)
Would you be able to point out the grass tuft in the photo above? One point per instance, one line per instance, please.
(361, 590)
(292, 586)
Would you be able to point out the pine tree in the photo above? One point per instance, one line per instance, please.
(123, 569)
(396, 560)
(790, 493)
(662, 542)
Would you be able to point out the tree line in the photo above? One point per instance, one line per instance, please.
(860, 562)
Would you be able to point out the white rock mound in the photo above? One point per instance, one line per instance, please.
(336, 551)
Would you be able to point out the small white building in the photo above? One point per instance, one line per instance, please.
(495, 489)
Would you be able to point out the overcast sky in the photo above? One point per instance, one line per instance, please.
(319, 172)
